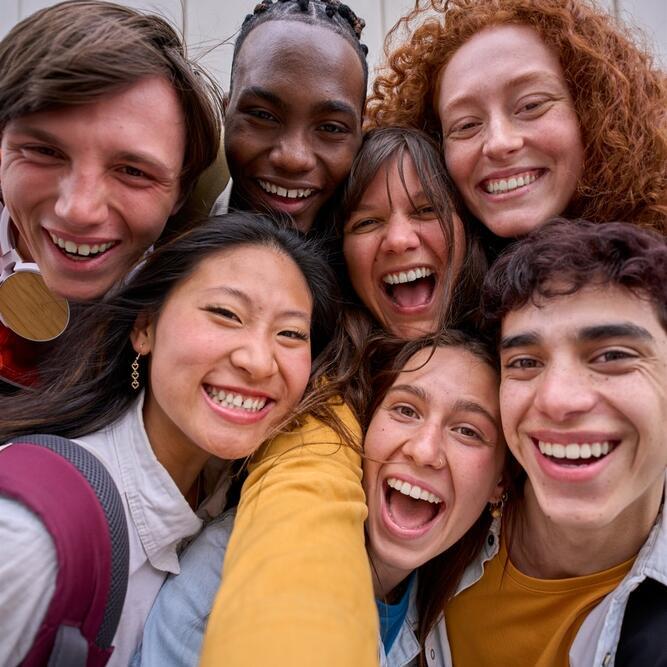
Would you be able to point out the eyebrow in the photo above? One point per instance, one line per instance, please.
(126, 156)
(464, 405)
(520, 340)
(522, 79)
(264, 94)
(586, 334)
(324, 107)
(614, 330)
(411, 389)
(248, 302)
(334, 106)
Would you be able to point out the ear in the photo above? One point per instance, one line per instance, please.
(498, 490)
(143, 334)
(182, 198)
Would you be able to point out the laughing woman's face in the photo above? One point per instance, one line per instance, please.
(396, 252)
(434, 455)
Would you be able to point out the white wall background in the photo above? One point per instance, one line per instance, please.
(210, 25)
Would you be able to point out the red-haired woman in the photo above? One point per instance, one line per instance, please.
(543, 107)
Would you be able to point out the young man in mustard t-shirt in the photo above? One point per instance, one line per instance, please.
(579, 574)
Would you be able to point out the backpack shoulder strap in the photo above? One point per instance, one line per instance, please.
(643, 640)
(74, 496)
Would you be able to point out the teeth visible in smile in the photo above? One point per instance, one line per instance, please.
(81, 249)
(407, 276)
(509, 184)
(413, 491)
(296, 193)
(593, 450)
(232, 400)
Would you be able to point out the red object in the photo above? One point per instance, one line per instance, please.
(19, 358)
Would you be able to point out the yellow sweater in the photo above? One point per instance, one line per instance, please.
(297, 587)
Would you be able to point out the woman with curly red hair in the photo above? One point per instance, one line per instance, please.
(544, 108)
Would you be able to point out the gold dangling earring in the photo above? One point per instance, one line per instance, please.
(497, 508)
(134, 375)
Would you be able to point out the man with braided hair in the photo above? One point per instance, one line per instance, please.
(297, 587)
(293, 115)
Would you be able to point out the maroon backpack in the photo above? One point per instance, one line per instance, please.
(59, 481)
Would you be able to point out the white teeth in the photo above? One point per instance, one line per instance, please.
(407, 276)
(413, 491)
(229, 399)
(81, 249)
(593, 450)
(506, 185)
(296, 193)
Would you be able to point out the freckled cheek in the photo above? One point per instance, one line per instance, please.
(359, 261)
(460, 165)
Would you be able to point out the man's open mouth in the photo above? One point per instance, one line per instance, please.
(81, 251)
(286, 193)
(577, 454)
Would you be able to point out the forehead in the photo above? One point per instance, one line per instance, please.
(513, 51)
(250, 268)
(144, 116)
(565, 318)
(451, 373)
(297, 56)
(397, 177)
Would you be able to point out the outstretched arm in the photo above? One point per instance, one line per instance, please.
(297, 586)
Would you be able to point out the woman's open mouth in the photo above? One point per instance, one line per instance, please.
(410, 508)
(411, 289)
(502, 186)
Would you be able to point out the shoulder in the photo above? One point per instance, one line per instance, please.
(316, 435)
(28, 570)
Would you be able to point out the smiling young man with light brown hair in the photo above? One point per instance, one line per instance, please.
(105, 126)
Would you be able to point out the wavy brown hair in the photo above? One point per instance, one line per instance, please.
(439, 577)
(76, 52)
(619, 94)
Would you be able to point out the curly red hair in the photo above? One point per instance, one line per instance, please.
(620, 96)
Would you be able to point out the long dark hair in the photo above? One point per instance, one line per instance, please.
(438, 578)
(85, 382)
(461, 297)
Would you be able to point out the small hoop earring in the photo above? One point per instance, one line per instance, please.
(496, 509)
(134, 375)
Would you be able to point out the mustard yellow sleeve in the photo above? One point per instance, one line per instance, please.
(297, 587)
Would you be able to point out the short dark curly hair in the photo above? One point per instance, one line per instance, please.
(564, 256)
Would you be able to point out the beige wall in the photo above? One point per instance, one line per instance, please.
(210, 25)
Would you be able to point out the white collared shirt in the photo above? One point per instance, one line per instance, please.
(159, 520)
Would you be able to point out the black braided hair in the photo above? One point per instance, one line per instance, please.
(331, 14)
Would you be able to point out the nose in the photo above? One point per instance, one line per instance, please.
(502, 138)
(293, 153)
(81, 200)
(400, 234)
(426, 447)
(565, 390)
(255, 357)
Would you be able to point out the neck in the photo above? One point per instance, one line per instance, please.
(182, 459)
(539, 547)
(387, 580)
